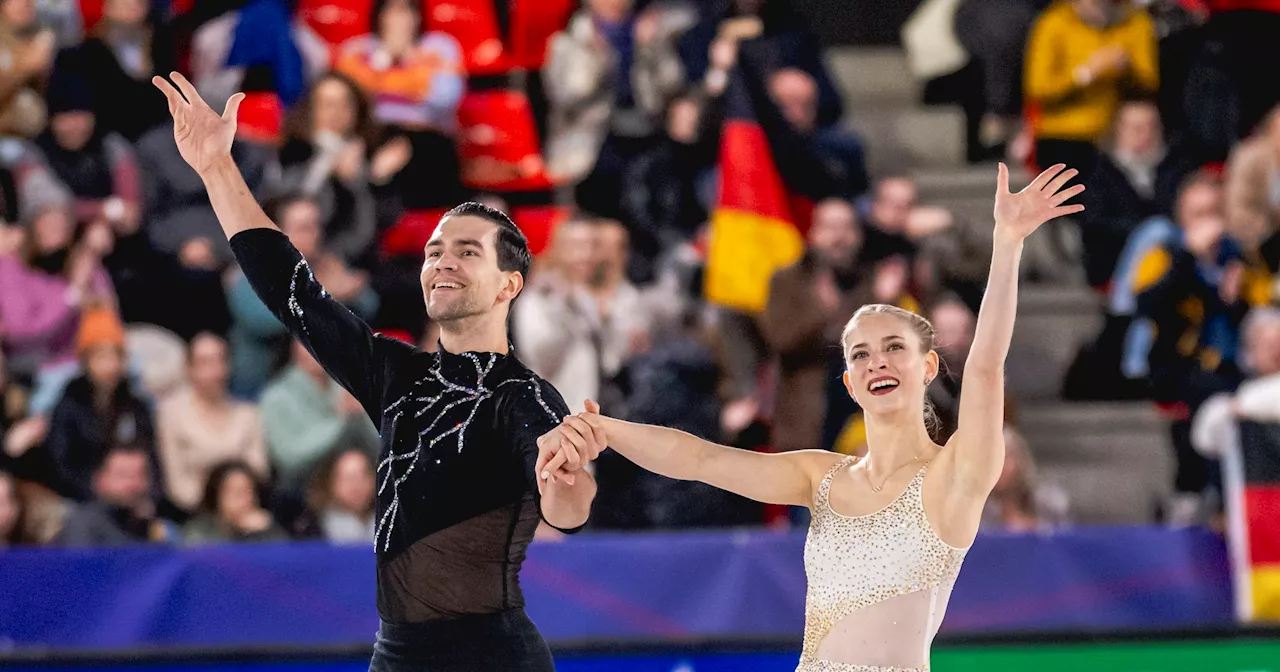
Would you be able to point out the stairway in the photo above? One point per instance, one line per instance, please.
(1112, 459)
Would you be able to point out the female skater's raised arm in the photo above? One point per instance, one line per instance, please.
(778, 478)
(978, 442)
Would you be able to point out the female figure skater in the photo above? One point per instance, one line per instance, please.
(889, 530)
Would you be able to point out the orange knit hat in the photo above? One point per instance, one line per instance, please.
(99, 326)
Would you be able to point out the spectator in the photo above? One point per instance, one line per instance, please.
(563, 332)
(27, 49)
(19, 432)
(43, 284)
(96, 165)
(324, 157)
(117, 62)
(231, 509)
(256, 335)
(953, 324)
(1082, 57)
(121, 511)
(305, 415)
(176, 206)
(200, 426)
(807, 307)
(1253, 199)
(12, 516)
(341, 496)
(416, 82)
(887, 215)
(63, 17)
(675, 384)
(608, 77)
(994, 32)
(1189, 290)
(776, 31)
(557, 322)
(661, 202)
(1135, 178)
(98, 410)
(1020, 502)
(257, 47)
(954, 253)
(795, 92)
(1215, 432)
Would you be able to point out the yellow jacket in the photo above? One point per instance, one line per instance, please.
(1060, 42)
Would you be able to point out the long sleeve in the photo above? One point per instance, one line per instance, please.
(297, 432)
(1156, 278)
(1259, 399)
(31, 306)
(448, 79)
(354, 240)
(574, 74)
(789, 323)
(255, 450)
(342, 343)
(180, 478)
(1246, 193)
(1144, 66)
(656, 75)
(528, 411)
(249, 313)
(126, 182)
(543, 325)
(1047, 77)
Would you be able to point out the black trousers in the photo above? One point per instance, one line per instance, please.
(503, 642)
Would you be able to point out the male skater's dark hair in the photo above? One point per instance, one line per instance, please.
(511, 243)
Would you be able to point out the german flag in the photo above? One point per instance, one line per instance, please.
(1253, 504)
(768, 182)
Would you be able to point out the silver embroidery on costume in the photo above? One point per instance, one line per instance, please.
(295, 307)
(463, 394)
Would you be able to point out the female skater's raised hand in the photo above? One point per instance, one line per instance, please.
(1019, 215)
(203, 136)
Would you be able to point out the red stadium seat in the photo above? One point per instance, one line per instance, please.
(91, 11)
(260, 118)
(409, 235)
(539, 222)
(498, 143)
(533, 22)
(336, 21)
(398, 334)
(485, 50)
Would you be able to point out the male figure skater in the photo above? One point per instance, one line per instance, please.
(457, 501)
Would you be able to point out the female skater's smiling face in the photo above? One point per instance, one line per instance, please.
(887, 362)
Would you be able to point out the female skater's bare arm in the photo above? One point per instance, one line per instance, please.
(779, 478)
(979, 442)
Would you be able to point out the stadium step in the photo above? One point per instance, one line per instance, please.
(873, 76)
(899, 139)
(1113, 459)
(1053, 321)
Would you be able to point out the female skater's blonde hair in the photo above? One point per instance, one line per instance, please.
(924, 332)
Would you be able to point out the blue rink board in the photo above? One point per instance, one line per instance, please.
(729, 662)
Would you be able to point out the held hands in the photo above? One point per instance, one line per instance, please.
(567, 448)
(1019, 215)
(202, 135)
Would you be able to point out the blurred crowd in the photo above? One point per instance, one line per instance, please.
(148, 395)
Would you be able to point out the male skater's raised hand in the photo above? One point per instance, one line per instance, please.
(203, 136)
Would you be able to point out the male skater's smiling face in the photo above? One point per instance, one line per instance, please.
(462, 275)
